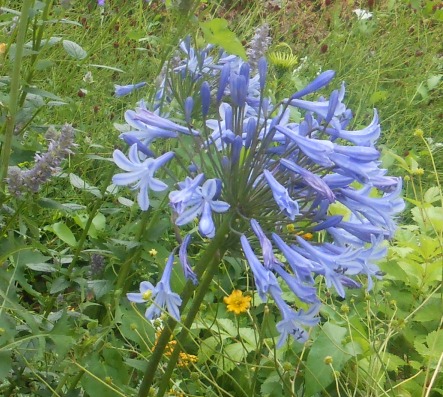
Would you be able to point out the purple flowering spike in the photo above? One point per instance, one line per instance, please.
(262, 71)
(269, 259)
(161, 294)
(224, 80)
(281, 196)
(183, 255)
(314, 181)
(205, 93)
(121, 90)
(265, 280)
(189, 106)
(100, 3)
(140, 174)
(293, 323)
(319, 82)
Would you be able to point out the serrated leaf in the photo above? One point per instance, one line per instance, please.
(59, 284)
(74, 50)
(432, 194)
(227, 326)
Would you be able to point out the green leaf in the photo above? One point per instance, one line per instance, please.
(378, 96)
(5, 363)
(216, 32)
(74, 50)
(434, 81)
(42, 93)
(432, 348)
(59, 284)
(79, 183)
(62, 231)
(329, 343)
(228, 326)
(99, 222)
(100, 287)
(41, 267)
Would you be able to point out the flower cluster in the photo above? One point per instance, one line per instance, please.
(305, 196)
(60, 146)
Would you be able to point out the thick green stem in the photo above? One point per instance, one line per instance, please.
(193, 311)
(14, 92)
(212, 257)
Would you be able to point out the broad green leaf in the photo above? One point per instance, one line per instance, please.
(227, 326)
(62, 231)
(434, 81)
(100, 287)
(329, 343)
(59, 284)
(432, 194)
(74, 50)
(432, 348)
(216, 32)
(99, 222)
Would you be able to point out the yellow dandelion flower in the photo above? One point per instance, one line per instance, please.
(236, 302)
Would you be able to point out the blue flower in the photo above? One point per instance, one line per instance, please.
(140, 174)
(203, 202)
(281, 196)
(265, 280)
(161, 295)
(183, 255)
(121, 90)
(293, 323)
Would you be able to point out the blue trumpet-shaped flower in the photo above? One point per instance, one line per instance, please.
(281, 196)
(202, 203)
(140, 174)
(122, 90)
(161, 295)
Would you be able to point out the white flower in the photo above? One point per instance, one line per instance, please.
(362, 14)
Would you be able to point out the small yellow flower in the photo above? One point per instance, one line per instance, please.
(2, 48)
(419, 133)
(290, 228)
(236, 302)
(308, 236)
(153, 252)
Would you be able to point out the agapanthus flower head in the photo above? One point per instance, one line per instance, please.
(247, 160)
